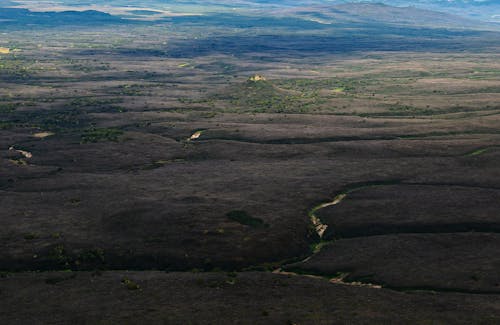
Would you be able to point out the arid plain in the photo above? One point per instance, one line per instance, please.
(173, 173)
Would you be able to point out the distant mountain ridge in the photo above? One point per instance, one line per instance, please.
(382, 13)
(16, 16)
(288, 12)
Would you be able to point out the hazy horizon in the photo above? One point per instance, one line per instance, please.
(486, 10)
(249, 162)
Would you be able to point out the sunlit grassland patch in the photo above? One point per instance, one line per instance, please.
(16, 67)
(286, 95)
(93, 135)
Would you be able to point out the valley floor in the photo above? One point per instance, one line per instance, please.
(142, 187)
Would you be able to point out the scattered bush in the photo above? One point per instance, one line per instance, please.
(130, 285)
(93, 135)
(245, 219)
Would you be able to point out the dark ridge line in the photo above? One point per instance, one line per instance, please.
(48, 265)
(480, 151)
(299, 140)
(430, 115)
(295, 267)
(459, 228)
(441, 116)
(440, 290)
(380, 230)
(353, 187)
(357, 186)
(345, 138)
(452, 184)
(303, 272)
(297, 272)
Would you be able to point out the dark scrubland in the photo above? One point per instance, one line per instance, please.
(113, 211)
(220, 298)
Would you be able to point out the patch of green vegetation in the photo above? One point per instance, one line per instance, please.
(406, 110)
(50, 120)
(286, 95)
(15, 68)
(262, 96)
(195, 101)
(94, 102)
(318, 246)
(8, 107)
(403, 108)
(6, 125)
(87, 68)
(93, 135)
(60, 120)
(132, 90)
(208, 114)
(478, 152)
(244, 218)
(20, 162)
(30, 236)
(130, 285)
(217, 283)
(232, 274)
(101, 105)
(92, 256)
(59, 255)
